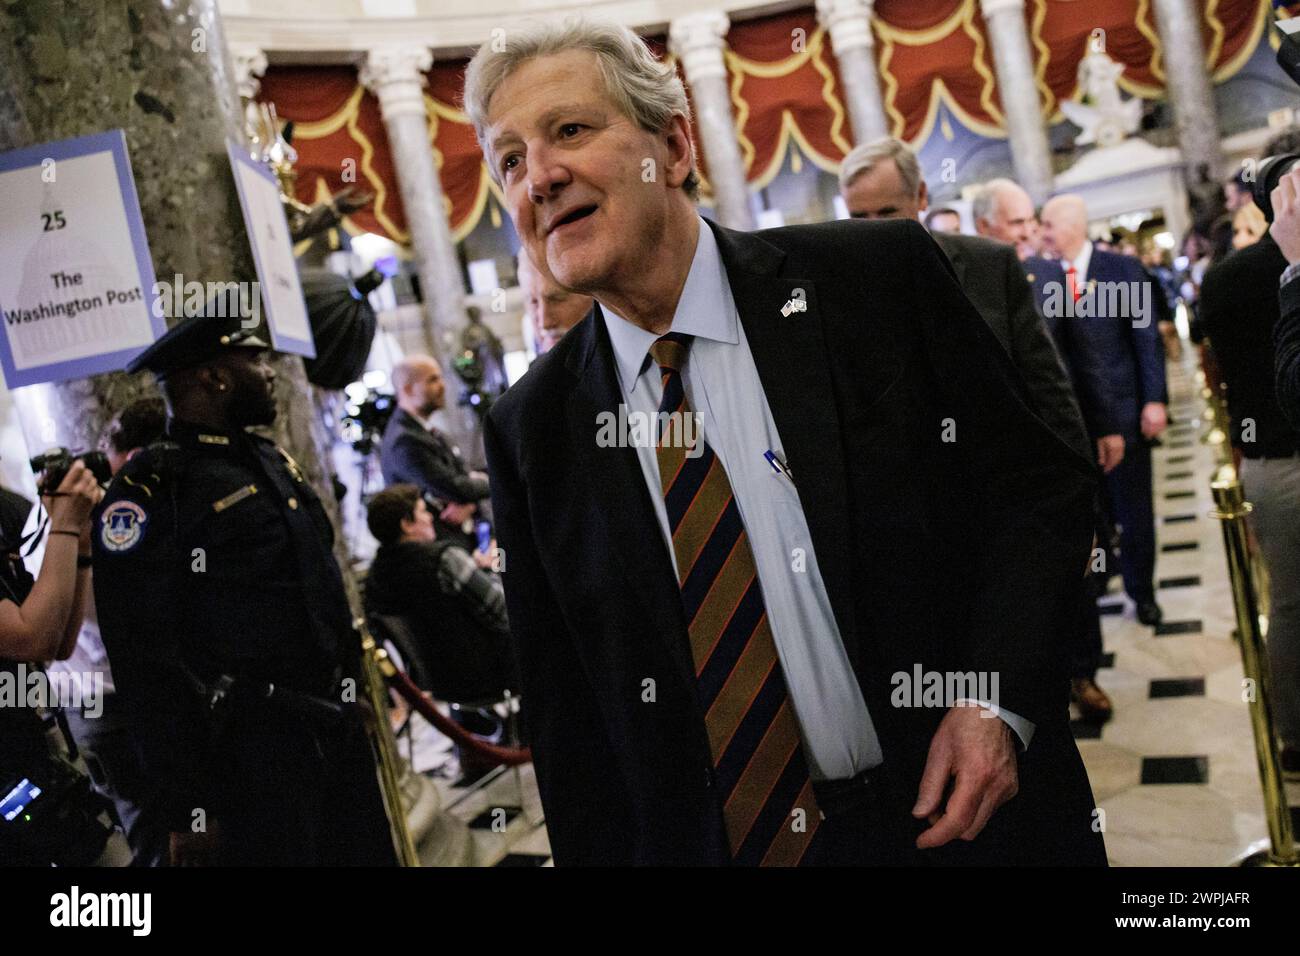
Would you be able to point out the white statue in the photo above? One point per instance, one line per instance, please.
(1104, 117)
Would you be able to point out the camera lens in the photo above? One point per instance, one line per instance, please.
(1267, 176)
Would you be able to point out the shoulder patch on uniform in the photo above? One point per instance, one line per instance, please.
(121, 526)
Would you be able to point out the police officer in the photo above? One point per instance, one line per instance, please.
(228, 626)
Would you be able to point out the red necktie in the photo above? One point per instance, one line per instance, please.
(1072, 282)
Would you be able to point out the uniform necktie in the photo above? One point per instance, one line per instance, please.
(768, 804)
(1072, 282)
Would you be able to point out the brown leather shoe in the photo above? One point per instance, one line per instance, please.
(1094, 705)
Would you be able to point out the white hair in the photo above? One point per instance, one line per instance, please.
(989, 198)
(645, 90)
(867, 156)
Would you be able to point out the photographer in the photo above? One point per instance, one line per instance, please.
(1239, 310)
(1285, 232)
(100, 725)
(62, 822)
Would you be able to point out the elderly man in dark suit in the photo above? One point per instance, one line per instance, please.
(1114, 300)
(770, 488)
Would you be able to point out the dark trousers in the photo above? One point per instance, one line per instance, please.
(1128, 491)
(107, 746)
(1050, 822)
(1085, 639)
(297, 793)
(870, 824)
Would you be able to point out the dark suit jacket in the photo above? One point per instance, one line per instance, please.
(958, 555)
(991, 276)
(1135, 355)
(1286, 340)
(410, 453)
(1085, 362)
(415, 454)
(1239, 307)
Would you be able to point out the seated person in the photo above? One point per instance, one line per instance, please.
(452, 601)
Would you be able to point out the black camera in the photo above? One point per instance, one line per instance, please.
(364, 421)
(1268, 174)
(54, 464)
(1275, 167)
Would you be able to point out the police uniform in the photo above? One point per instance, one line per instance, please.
(225, 616)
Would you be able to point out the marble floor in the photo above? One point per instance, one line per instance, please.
(1174, 771)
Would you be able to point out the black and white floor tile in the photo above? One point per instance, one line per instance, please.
(1174, 770)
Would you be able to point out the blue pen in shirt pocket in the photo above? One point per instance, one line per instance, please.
(778, 466)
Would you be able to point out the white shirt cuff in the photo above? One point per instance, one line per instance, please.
(1024, 728)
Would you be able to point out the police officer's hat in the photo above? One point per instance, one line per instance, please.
(195, 340)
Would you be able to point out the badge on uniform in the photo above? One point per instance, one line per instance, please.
(122, 526)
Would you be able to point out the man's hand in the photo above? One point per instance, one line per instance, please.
(485, 559)
(1110, 452)
(195, 849)
(1286, 215)
(1154, 419)
(977, 751)
(456, 514)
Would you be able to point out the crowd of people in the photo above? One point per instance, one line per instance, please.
(949, 434)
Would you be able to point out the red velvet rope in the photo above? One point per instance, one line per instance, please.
(400, 682)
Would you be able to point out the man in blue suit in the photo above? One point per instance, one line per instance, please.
(1112, 300)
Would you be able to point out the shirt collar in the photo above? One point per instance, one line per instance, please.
(1080, 262)
(705, 310)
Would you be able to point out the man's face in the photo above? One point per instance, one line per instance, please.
(551, 308)
(946, 222)
(252, 397)
(879, 194)
(420, 526)
(426, 387)
(588, 189)
(1062, 234)
(1012, 221)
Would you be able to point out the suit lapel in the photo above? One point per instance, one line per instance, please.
(954, 253)
(616, 489)
(793, 365)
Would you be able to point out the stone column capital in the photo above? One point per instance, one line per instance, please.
(991, 8)
(698, 39)
(395, 74)
(249, 64)
(848, 22)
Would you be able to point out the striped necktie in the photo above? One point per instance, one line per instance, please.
(768, 803)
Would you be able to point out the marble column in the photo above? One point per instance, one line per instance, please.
(159, 70)
(849, 24)
(697, 39)
(396, 76)
(1187, 81)
(1026, 129)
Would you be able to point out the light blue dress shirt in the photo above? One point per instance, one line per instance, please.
(722, 386)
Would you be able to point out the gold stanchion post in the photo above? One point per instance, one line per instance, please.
(1231, 508)
(385, 747)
